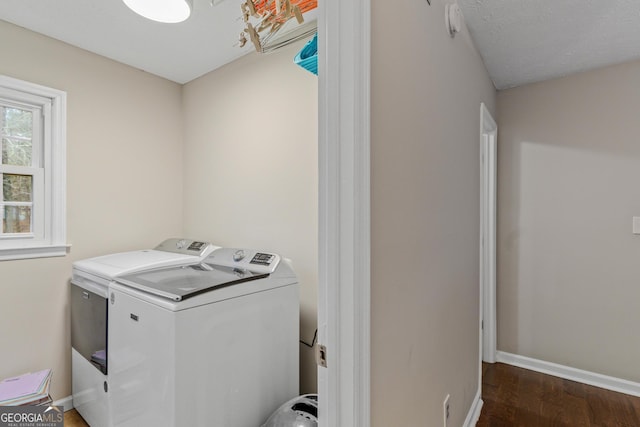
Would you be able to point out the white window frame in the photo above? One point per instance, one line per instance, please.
(48, 234)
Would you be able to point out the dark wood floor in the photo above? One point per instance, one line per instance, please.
(522, 398)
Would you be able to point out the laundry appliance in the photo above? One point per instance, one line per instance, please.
(89, 317)
(213, 343)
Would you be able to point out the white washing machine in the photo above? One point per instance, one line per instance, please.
(89, 317)
(209, 344)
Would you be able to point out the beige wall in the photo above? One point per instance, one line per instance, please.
(250, 171)
(124, 188)
(426, 95)
(569, 266)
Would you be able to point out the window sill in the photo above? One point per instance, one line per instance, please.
(27, 252)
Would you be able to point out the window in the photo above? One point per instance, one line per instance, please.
(32, 170)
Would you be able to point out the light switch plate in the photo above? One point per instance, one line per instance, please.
(636, 225)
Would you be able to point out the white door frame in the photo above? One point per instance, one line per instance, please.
(344, 212)
(488, 176)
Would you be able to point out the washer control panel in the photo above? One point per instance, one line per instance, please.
(186, 247)
(262, 258)
(244, 259)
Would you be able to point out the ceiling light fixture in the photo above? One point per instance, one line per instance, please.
(167, 11)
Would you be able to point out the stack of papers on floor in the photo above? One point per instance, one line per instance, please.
(27, 389)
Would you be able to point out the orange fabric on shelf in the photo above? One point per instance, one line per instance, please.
(264, 6)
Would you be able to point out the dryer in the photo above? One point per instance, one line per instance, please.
(209, 344)
(89, 317)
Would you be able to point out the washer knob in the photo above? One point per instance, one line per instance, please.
(238, 255)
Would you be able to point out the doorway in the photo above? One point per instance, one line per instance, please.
(488, 176)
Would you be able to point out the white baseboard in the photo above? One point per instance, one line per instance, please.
(65, 402)
(474, 413)
(569, 373)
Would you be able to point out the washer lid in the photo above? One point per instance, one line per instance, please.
(179, 283)
(169, 253)
(110, 266)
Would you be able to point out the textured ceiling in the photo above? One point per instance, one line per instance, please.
(525, 41)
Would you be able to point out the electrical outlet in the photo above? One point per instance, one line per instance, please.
(446, 410)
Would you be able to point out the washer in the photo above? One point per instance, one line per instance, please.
(209, 344)
(90, 283)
